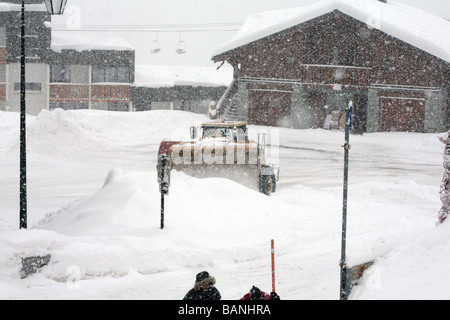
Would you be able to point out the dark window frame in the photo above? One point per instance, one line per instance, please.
(343, 56)
(31, 87)
(387, 65)
(289, 60)
(110, 74)
(60, 74)
(68, 105)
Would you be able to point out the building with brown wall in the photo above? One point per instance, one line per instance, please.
(295, 72)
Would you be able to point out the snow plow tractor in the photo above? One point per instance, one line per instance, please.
(219, 149)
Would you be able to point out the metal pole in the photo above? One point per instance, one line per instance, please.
(23, 148)
(345, 281)
(162, 210)
(163, 168)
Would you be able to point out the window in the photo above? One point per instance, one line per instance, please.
(110, 74)
(349, 56)
(225, 132)
(289, 60)
(29, 87)
(337, 56)
(69, 105)
(98, 75)
(242, 133)
(343, 56)
(59, 73)
(2, 37)
(2, 73)
(387, 65)
(118, 106)
(123, 75)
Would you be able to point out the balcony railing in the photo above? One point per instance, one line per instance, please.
(69, 92)
(343, 75)
(110, 92)
(2, 55)
(2, 91)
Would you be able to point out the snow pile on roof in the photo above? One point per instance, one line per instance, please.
(66, 41)
(160, 75)
(414, 26)
(5, 7)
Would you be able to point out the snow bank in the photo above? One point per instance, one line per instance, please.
(116, 229)
(81, 133)
(415, 269)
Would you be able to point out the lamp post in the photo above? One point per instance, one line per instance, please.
(54, 7)
(23, 148)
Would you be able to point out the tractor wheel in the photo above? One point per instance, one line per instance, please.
(266, 184)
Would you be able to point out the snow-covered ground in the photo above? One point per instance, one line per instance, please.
(94, 206)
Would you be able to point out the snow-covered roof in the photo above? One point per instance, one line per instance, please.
(414, 26)
(164, 76)
(6, 7)
(67, 40)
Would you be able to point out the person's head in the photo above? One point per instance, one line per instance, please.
(255, 293)
(203, 280)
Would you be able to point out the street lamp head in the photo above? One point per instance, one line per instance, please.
(55, 7)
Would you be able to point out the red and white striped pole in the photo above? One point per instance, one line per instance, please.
(273, 265)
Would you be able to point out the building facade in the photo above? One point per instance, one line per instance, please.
(191, 98)
(94, 79)
(69, 79)
(299, 76)
(80, 78)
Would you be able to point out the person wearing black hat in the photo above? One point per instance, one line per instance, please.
(256, 294)
(204, 288)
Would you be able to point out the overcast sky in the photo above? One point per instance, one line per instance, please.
(202, 25)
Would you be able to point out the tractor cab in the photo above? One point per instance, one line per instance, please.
(228, 130)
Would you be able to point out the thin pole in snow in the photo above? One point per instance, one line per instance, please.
(345, 272)
(162, 210)
(163, 167)
(23, 140)
(273, 264)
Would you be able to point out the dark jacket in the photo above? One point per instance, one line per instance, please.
(256, 294)
(197, 293)
(264, 296)
(211, 294)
